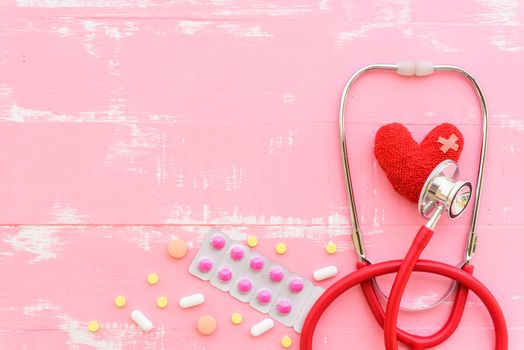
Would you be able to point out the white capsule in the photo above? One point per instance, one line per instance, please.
(142, 321)
(325, 273)
(191, 300)
(262, 327)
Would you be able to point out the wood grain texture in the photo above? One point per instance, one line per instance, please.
(124, 123)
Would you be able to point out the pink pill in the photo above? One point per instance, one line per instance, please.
(225, 275)
(256, 263)
(284, 307)
(276, 274)
(244, 285)
(264, 296)
(236, 253)
(205, 265)
(218, 242)
(296, 285)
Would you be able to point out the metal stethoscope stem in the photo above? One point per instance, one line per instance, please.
(356, 233)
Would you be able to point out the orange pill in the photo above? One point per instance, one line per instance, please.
(177, 248)
(207, 325)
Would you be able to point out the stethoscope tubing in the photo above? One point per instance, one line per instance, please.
(366, 274)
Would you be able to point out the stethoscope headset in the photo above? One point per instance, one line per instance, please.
(441, 193)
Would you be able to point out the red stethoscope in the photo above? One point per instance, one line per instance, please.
(440, 193)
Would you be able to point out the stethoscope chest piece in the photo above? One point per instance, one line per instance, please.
(441, 189)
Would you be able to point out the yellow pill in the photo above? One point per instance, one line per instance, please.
(281, 248)
(120, 301)
(152, 278)
(252, 241)
(93, 326)
(331, 248)
(236, 318)
(161, 302)
(286, 342)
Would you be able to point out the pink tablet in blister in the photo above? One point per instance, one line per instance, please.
(213, 248)
(271, 281)
(256, 268)
(235, 261)
(289, 302)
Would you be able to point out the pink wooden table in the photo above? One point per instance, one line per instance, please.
(125, 123)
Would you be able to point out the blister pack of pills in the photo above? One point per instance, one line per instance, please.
(252, 278)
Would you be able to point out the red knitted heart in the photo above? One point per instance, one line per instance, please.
(408, 164)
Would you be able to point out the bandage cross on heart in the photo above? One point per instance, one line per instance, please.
(407, 163)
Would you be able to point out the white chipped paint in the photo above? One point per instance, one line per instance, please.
(82, 3)
(233, 181)
(503, 43)
(288, 98)
(243, 31)
(499, 12)
(63, 32)
(39, 307)
(270, 10)
(280, 142)
(118, 335)
(145, 237)
(37, 240)
(391, 14)
(432, 39)
(132, 143)
(114, 114)
(507, 121)
(64, 213)
(191, 27)
(324, 5)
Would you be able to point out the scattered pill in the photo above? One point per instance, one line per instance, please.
(296, 285)
(93, 326)
(325, 273)
(177, 248)
(218, 242)
(256, 263)
(264, 296)
(252, 241)
(207, 325)
(262, 327)
(205, 265)
(276, 274)
(225, 274)
(141, 320)
(236, 318)
(281, 248)
(286, 342)
(120, 301)
(191, 300)
(244, 285)
(152, 279)
(284, 307)
(236, 253)
(161, 302)
(331, 248)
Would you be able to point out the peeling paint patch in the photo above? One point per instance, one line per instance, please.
(41, 305)
(82, 3)
(243, 31)
(190, 27)
(503, 43)
(278, 143)
(288, 98)
(65, 214)
(37, 240)
(499, 12)
(436, 43)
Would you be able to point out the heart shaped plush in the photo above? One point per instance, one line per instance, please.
(407, 163)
